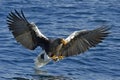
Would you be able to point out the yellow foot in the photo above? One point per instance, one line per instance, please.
(60, 57)
(55, 58)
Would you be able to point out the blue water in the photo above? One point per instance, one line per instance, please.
(59, 18)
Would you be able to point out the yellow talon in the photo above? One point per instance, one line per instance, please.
(55, 58)
(60, 57)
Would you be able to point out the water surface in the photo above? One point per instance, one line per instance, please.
(59, 18)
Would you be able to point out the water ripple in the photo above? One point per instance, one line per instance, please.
(59, 19)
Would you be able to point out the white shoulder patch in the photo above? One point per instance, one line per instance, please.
(75, 33)
(38, 33)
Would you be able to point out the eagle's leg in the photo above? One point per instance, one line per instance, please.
(56, 58)
(60, 57)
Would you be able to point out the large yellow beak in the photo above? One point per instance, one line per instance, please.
(64, 41)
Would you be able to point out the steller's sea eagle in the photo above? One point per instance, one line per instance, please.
(29, 36)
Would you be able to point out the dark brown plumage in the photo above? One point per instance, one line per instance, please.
(30, 37)
(24, 32)
(83, 40)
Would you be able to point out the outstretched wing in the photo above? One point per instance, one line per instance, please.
(80, 41)
(24, 32)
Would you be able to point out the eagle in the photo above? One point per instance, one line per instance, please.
(27, 34)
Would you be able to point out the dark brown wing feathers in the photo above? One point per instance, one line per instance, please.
(83, 40)
(23, 31)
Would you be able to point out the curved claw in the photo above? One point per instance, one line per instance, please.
(57, 58)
